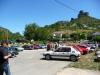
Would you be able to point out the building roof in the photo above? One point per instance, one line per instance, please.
(96, 33)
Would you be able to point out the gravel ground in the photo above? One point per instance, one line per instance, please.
(31, 63)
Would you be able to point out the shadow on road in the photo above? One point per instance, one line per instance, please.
(55, 59)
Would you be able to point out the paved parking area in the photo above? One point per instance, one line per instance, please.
(31, 63)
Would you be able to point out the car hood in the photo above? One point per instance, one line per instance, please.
(48, 52)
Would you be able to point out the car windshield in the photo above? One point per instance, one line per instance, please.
(83, 46)
(56, 50)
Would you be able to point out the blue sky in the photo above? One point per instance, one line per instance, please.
(15, 14)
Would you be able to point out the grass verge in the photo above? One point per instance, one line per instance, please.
(86, 62)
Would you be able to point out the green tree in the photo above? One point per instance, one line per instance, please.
(77, 36)
(97, 38)
(30, 31)
(42, 34)
(16, 36)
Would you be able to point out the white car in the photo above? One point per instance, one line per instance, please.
(18, 48)
(64, 52)
(97, 55)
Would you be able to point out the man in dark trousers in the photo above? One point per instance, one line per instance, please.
(6, 56)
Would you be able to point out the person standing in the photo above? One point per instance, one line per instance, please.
(6, 55)
(56, 45)
(48, 46)
(1, 62)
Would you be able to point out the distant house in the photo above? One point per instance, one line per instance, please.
(58, 33)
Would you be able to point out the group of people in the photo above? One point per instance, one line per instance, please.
(54, 45)
(51, 45)
(4, 58)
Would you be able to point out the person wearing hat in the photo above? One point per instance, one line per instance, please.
(6, 56)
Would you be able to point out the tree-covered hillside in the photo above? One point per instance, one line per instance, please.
(6, 34)
(83, 23)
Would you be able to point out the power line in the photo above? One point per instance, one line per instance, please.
(66, 6)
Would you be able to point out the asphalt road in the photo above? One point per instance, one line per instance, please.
(31, 63)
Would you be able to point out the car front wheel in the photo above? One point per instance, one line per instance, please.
(47, 57)
(73, 58)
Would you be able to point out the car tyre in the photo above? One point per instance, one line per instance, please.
(73, 58)
(47, 57)
(90, 51)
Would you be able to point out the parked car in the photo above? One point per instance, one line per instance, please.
(64, 52)
(97, 53)
(13, 51)
(98, 57)
(91, 47)
(99, 45)
(78, 48)
(36, 46)
(42, 46)
(18, 48)
(82, 49)
(27, 47)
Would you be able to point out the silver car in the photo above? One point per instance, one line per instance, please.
(64, 52)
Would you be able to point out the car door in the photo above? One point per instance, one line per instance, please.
(62, 53)
(57, 53)
(65, 52)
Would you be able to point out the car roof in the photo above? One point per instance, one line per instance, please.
(65, 46)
